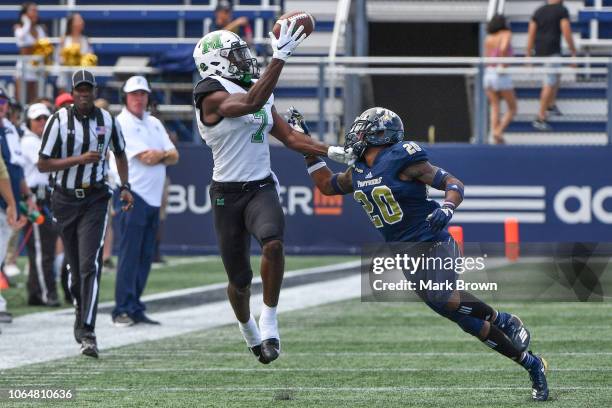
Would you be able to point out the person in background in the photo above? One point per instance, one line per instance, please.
(31, 39)
(63, 99)
(547, 24)
(10, 268)
(11, 154)
(42, 289)
(224, 21)
(8, 219)
(15, 115)
(149, 151)
(498, 85)
(74, 50)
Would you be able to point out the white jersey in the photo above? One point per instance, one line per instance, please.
(240, 147)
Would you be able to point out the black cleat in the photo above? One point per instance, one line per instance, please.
(256, 350)
(270, 350)
(517, 333)
(539, 386)
(89, 347)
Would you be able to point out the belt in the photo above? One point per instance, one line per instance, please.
(80, 192)
(241, 186)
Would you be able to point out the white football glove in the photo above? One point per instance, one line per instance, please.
(286, 43)
(338, 154)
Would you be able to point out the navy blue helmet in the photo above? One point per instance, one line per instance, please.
(374, 127)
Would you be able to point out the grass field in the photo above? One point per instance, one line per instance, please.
(185, 273)
(346, 354)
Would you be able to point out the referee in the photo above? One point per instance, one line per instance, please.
(75, 141)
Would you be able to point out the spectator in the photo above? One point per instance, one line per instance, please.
(75, 50)
(42, 290)
(149, 151)
(10, 261)
(63, 99)
(547, 25)
(31, 39)
(224, 21)
(498, 85)
(11, 155)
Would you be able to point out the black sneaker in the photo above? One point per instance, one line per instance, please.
(123, 320)
(554, 111)
(541, 125)
(144, 319)
(270, 350)
(89, 346)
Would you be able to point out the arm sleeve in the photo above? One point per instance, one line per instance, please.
(205, 87)
(117, 142)
(51, 138)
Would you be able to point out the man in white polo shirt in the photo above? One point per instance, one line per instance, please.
(149, 151)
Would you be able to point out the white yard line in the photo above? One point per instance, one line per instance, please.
(184, 261)
(337, 389)
(47, 336)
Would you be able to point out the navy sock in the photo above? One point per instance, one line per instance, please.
(528, 361)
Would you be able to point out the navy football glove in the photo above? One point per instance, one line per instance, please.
(440, 217)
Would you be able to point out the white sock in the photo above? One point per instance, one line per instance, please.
(268, 323)
(250, 332)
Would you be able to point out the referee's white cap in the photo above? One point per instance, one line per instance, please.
(136, 83)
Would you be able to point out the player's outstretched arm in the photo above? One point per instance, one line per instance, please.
(440, 180)
(303, 143)
(326, 181)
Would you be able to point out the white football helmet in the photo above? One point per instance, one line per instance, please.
(225, 54)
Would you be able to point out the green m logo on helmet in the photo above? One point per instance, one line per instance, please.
(211, 42)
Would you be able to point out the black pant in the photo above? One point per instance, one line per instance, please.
(82, 225)
(41, 255)
(241, 210)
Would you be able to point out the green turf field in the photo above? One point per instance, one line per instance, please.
(180, 273)
(346, 354)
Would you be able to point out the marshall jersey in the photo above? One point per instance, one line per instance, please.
(239, 145)
(397, 208)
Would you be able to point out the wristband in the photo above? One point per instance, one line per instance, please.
(316, 166)
(449, 204)
(125, 186)
(439, 179)
(335, 185)
(455, 187)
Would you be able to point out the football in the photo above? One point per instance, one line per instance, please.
(303, 19)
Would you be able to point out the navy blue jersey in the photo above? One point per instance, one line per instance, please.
(397, 208)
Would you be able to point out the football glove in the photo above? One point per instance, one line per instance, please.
(340, 155)
(286, 43)
(296, 121)
(440, 217)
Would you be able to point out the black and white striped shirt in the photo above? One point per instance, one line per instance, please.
(63, 137)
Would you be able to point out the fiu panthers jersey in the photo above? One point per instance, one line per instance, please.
(397, 208)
